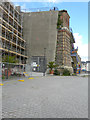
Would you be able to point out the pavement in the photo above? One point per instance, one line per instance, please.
(45, 97)
(41, 74)
(83, 74)
(34, 73)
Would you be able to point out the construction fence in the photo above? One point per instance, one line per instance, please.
(11, 69)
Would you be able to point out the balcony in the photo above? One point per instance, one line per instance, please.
(3, 45)
(14, 49)
(74, 52)
(74, 55)
(3, 34)
(11, 23)
(18, 51)
(5, 18)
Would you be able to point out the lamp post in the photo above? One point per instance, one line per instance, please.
(8, 54)
(44, 62)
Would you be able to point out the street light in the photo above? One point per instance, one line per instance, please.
(44, 62)
(8, 54)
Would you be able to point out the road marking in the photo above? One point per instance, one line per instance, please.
(24, 72)
(1, 84)
(30, 78)
(21, 80)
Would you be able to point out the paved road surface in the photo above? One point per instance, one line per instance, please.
(46, 97)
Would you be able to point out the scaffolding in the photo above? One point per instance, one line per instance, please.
(12, 36)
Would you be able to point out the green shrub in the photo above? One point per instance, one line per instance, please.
(56, 72)
(3, 77)
(74, 74)
(66, 72)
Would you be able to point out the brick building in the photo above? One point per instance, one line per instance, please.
(65, 40)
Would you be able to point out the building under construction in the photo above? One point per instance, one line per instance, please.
(11, 33)
(46, 35)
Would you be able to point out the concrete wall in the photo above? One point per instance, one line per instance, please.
(40, 31)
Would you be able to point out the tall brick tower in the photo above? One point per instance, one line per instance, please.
(63, 48)
(64, 16)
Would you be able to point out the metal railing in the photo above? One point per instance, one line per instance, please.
(39, 9)
(12, 69)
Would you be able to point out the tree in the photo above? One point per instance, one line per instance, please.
(52, 65)
(9, 59)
